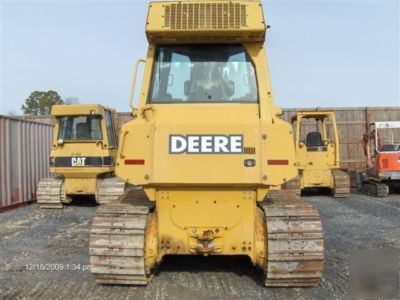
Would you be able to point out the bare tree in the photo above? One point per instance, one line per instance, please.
(71, 100)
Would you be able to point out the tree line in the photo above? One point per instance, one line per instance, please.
(40, 102)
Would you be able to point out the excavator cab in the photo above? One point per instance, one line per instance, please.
(385, 136)
(382, 149)
(317, 152)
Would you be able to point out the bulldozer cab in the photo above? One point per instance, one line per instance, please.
(84, 136)
(85, 123)
(317, 142)
(194, 74)
(206, 102)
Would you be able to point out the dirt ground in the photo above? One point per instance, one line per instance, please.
(31, 239)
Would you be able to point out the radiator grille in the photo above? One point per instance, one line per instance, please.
(205, 16)
(249, 150)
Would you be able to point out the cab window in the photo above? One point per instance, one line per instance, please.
(80, 128)
(203, 73)
(112, 141)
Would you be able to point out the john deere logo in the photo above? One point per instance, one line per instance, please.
(78, 161)
(204, 144)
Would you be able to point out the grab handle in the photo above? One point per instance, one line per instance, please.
(140, 60)
(121, 148)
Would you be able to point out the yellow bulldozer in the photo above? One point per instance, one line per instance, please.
(206, 146)
(82, 157)
(317, 153)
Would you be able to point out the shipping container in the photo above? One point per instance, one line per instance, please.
(24, 159)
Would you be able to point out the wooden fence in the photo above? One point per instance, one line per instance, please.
(352, 124)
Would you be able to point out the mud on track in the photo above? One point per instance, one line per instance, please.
(31, 238)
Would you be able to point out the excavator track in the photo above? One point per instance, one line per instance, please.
(295, 243)
(289, 190)
(109, 189)
(375, 189)
(341, 184)
(116, 243)
(50, 193)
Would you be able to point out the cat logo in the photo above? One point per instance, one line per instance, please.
(78, 161)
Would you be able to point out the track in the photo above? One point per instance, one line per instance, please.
(375, 189)
(50, 193)
(289, 190)
(341, 184)
(295, 243)
(109, 189)
(116, 243)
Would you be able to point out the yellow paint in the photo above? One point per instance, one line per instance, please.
(81, 179)
(316, 166)
(80, 185)
(221, 222)
(78, 109)
(207, 203)
(224, 26)
(151, 243)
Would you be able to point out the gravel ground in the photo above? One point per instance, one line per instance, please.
(30, 237)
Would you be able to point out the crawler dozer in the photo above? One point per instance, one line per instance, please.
(382, 149)
(318, 155)
(82, 157)
(206, 146)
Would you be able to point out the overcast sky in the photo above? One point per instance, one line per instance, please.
(321, 53)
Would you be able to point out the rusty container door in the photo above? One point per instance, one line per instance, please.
(24, 159)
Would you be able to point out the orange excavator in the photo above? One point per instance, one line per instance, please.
(382, 148)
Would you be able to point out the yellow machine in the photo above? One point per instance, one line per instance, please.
(206, 146)
(317, 153)
(82, 155)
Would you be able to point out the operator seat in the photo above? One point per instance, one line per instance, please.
(82, 131)
(314, 142)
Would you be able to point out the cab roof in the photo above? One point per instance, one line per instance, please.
(318, 115)
(79, 109)
(387, 124)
